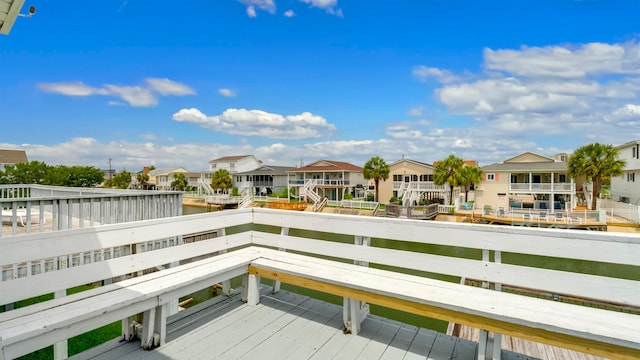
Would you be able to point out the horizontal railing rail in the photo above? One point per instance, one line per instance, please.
(489, 253)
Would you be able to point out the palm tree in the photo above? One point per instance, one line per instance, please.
(470, 175)
(221, 180)
(448, 172)
(179, 182)
(142, 179)
(376, 169)
(597, 162)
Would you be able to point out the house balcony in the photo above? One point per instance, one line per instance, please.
(557, 188)
(419, 186)
(322, 182)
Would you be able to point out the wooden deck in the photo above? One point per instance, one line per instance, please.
(529, 348)
(288, 326)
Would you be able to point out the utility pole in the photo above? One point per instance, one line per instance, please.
(110, 173)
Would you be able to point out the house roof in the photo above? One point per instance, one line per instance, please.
(630, 143)
(526, 167)
(411, 161)
(267, 169)
(9, 10)
(13, 157)
(464, 162)
(328, 165)
(157, 172)
(229, 158)
(528, 156)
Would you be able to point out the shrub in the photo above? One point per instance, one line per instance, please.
(393, 199)
(348, 196)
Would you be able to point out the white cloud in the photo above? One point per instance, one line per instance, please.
(141, 95)
(259, 123)
(227, 92)
(289, 13)
(251, 11)
(566, 62)
(328, 5)
(422, 73)
(264, 5)
(417, 111)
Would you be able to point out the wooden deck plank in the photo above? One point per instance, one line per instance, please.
(289, 326)
(357, 344)
(400, 343)
(385, 335)
(285, 342)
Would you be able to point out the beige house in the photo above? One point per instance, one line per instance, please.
(527, 180)
(162, 178)
(327, 178)
(412, 181)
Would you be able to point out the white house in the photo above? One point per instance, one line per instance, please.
(234, 164)
(626, 188)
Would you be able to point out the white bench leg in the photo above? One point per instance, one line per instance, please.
(154, 327)
(128, 329)
(60, 349)
(251, 289)
(354, 312)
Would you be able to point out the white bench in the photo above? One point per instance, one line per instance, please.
(600, 332)
(27, 329)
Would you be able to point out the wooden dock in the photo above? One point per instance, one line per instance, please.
(288, 326)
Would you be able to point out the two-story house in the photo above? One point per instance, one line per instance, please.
(161, 178)
(412, 181)
(327, 178)
(626, 188)
(263, 180)
(528, 180)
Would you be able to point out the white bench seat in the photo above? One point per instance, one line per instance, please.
(26, 329)
(580, 328)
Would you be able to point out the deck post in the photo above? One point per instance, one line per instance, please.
(60, 349)
(128, 331)
(355, 311)
(226, 285)
(276, 283)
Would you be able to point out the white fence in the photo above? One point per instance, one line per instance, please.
(621, 210)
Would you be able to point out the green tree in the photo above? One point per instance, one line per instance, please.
(598, 163)
(470, 175)
(84, 176)
(180, 182)
(377, 169)
(448, 172)
(221, 180)
(33, 172)
(121, 180)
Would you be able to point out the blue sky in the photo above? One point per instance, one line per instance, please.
(181, 83)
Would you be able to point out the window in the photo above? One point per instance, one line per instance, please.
(633, 152)
(414, 177)
(239, 178)
(562, 178)
(514, 178)
(397, 177)
(631, 177)
(491, 177)
(232, 166)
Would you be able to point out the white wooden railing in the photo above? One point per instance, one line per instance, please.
(52, 208)
(476, 251)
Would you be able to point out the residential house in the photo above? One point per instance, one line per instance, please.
(625, 188)
(234, 164)
(327, 178)
(412, 181)
(162, 178)
(12, 157)
(263, 180)
(528, 180)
